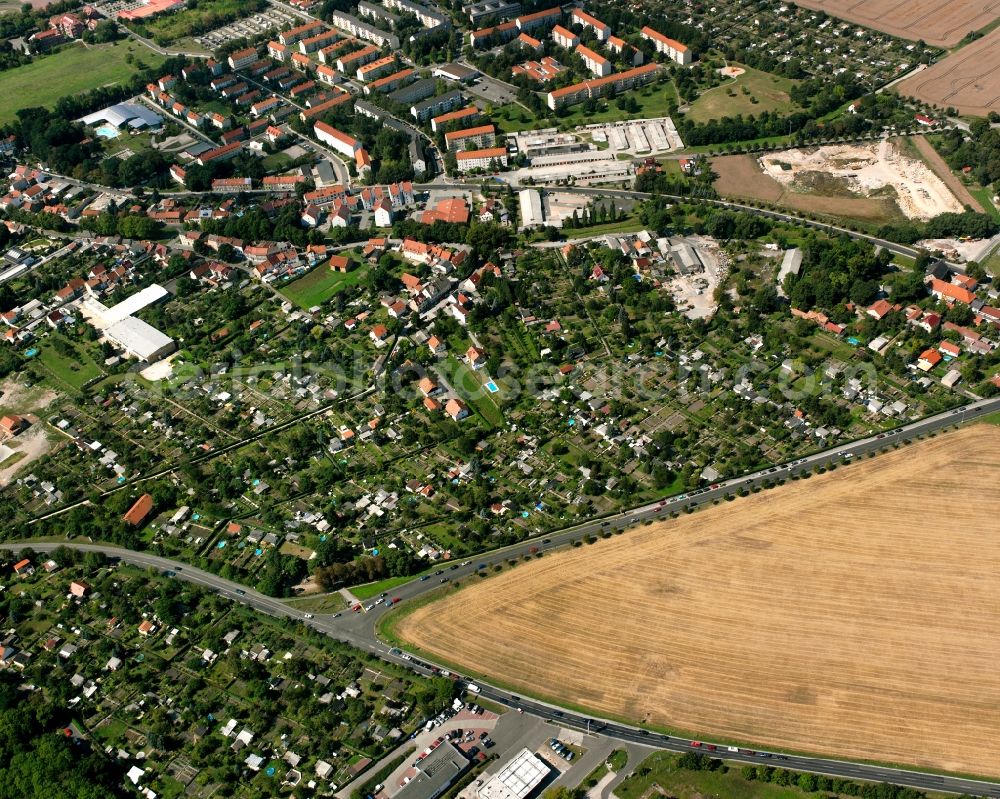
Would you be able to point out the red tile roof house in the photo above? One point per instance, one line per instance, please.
(436, 345)
(79, 588)
(147, 627)
(341, 263)
(949, 292)
(475, 357)
(879, 309)
(928, 360)
(11, 425)
(137, 514)
(456, 409)
(23, 568)
(948, 348)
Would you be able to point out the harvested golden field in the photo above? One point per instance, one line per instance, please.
(855, 614)
(941, 23)
(968, 79)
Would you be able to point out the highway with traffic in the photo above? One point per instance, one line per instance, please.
(359, 628)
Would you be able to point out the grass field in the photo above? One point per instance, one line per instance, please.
(71, 71)
(65, 371)
(319, 285)
(852, 614)
(770, 92)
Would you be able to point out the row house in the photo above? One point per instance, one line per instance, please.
(317, 42)
(580, 17)
(391, 82)
(671, 48)
(481, 136)
(297, 34)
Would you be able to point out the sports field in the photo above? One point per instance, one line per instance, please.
(71, 71)
(968, 79)
(853, 614)
(941, 23)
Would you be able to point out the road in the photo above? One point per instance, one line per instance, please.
(359, 629)
(782, 216)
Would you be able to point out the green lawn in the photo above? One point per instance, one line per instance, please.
(327, 603)
(512, 118)
(368, 590)
(74, 70)
(685, 784)
(66, 371)
(472, 388)
(770, 92)
(319, 285)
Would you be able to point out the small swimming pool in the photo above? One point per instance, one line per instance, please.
(492, 387)
(107, 132)
(32, 352)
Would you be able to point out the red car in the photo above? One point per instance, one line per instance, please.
(710, 747)
(695, 743)
(396, 599)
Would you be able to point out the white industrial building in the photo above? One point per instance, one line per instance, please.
(134, 337)
(530, 202)
(519, 778)
(139, 340)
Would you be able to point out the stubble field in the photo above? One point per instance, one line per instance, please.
(968, 79)
(941, 23)
(854, 614)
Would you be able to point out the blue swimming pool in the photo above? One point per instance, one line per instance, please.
(107, 132)
(492, 387)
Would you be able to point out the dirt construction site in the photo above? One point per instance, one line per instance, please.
(968, 79)
(865, 170)
(851, 614)
(941, 23)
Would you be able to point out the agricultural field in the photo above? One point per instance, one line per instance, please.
(71, 71)
(967, 80)
(942, 23)
(876, 583)
(750, 92)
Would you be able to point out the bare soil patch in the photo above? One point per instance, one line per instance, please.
(968, 79)
(868, 170)
(27, 448)
(941, 23)
(854, 614)
(740, 177)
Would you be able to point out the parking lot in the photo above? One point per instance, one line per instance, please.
(491, 90)
(267, 20)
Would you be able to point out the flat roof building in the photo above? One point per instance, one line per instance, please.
(435, 773)
(140, 340)
(519, 778)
